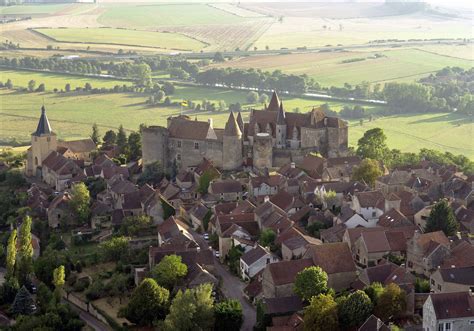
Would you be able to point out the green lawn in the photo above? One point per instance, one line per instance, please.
(329, 70)
(52, 81)
(32, 9)
(124, 37)
(144, 15)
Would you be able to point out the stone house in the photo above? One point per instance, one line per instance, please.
(425, 252)
(57, 171)
(226, 190)
(197, 215)
(265, 185)
(294, 243)
(173, 230)
(340, 168)
(351, 219)
(269, 216)
(394, 182)
(278, 278)
(373, 323)
(421, 217)
(336, 260)
(78, 149)
(372, 247)
(452, 280)
(118, 187)
(449, 311)
(59, 210)
(370, 204)
(255, 260)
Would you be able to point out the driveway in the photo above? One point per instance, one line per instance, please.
(231, 286)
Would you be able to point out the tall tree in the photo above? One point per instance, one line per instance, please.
(355, 309)
(373, 145)
(267, 237)
(149, 302)
(23, 303)
(80, 200)
(11, 255)
(321, 314)
(310, 282)
(191, 310)
(169, 271)
(25, 253)
(228, 315)
(95, 134)
(110, 138)
(134, 146)
(31, 85)
(58, 281)
(368, 171)
(391, 303)
(121, 138)
(442, 219)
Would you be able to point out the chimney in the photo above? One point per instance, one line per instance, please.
(266, 199)
(209, 120)
(292, 165)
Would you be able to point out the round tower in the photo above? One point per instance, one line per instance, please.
(232, 145)
(262, 151)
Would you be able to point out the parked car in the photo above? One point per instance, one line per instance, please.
(217, 254)
(206, 236)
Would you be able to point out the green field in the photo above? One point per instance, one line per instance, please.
(124, 37)
(32, 9)
(329, 70)
(144, 15)
(58, 81)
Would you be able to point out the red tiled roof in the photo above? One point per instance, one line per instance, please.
(332, 258)
(284, 272)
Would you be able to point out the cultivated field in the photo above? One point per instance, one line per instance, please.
(377, 67)
(32, 10)
(124, 37)
(55, 81)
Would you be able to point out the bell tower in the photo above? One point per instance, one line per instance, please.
(43, 142)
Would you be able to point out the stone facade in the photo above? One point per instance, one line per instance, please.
(271, 138)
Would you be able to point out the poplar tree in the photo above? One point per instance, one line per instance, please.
(25, 253)
(11, 255)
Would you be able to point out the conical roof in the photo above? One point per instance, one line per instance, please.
(281, 115)
(274, 104)
(43, 125)
(240, 121)
(231, 127)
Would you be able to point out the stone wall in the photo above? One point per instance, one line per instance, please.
(263, 151)
(189, 153)
(232, 152)
(155, 145)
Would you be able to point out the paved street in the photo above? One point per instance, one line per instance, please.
(89, 319)
(231, 286)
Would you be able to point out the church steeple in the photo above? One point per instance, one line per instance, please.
(43, 125)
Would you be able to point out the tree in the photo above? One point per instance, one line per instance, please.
(367, 171)
(25, 253)
(391, 303)
(233, 258)
(152, 174)
(110, 138)
(442, 219)
(67, 88)
(95, 134)
(23, 303)
(121, 139)
(267, 237)
(191, 310)
(132, 225)
(252, 97)
(58, 281)
(80, 200)
(373, 145)
(134, 146)
(149, 302)
(31, 85)
(169, 271)
(218, 57)
(310, 282)
(168, 88)
(114, 249)
(118, 285)
(9, 84)
(41, 88)
(228, 315)
(321, 314)
(374, 291)
(355, 309)
(330, 198)
(263, 99)
(205, 180)
(11, 255)
(87, 86)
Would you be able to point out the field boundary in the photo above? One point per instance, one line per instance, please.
(117, 44)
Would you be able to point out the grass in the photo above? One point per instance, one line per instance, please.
(329, 70)
(72, 116)
(51, 80)
(145, 15)
(32, 9)
(124, 37)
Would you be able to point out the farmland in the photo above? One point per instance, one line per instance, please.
(55, 81)
(123, 37)
(32, 9)
(329, 69)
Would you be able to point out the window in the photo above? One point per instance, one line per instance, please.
(440, 327)
(179, 143)
(471, 322)
(447, 326)
(268, 260)
(439, 287)
(178, 157)
(196, 145)
(36, 160)
(432, 282)
(374, 214)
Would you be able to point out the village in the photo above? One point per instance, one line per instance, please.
(261, 236)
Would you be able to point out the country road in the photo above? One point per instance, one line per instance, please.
(89, 319)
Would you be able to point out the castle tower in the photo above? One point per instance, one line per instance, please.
(281, 128)
(43, 142)
(240, 122)
(262, 151)
(232, 145)
(274, 104)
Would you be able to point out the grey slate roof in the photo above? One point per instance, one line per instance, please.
(43, 125)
